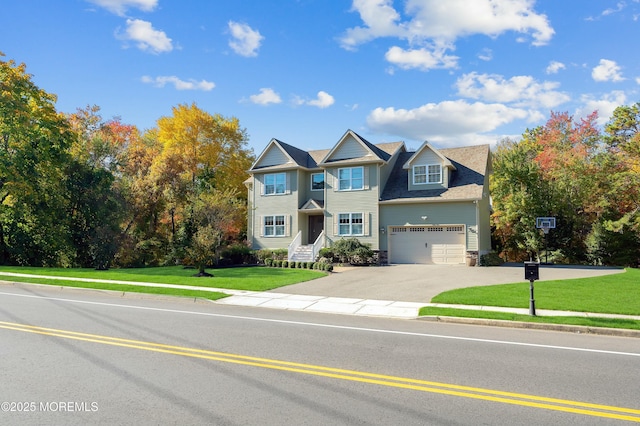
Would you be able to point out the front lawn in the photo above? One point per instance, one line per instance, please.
(613, 294)
(241, 278)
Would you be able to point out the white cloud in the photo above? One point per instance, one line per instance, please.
(146, 37)
(430, 26)
(605, 106)
(422, 59)
(607, 71)
(119, 7)
(323, 100)
(554, 67)
(246, 41)
(521, 90)
(265, 97)
(637, 80)
(447, 121)
(486, 54)
(179, 84)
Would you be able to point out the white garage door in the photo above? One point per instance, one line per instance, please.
(427, 244)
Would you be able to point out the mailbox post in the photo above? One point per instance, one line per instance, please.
(531, 273)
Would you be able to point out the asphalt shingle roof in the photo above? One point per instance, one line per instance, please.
(466, 182)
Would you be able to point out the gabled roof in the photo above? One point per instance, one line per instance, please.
(374, 153)
(467, 182)
(295, 156)
(313, 205)
(426, 146)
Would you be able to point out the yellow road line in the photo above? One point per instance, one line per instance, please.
(555, 404)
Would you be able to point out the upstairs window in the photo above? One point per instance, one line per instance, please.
(434, 174)
(275, 183)
(427, 174)
(350, 179)
(317, 181)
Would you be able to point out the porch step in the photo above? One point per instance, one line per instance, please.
(303, 254)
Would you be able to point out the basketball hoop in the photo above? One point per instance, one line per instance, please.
(545, 223)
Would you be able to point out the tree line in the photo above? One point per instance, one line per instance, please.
(80, 191)
(586, 177)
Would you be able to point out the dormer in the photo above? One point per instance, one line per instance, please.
(428, 169)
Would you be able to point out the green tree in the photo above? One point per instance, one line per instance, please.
(34, 143)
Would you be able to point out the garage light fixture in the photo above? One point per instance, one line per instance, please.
(423, 217)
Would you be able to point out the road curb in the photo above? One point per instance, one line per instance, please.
(578, 329)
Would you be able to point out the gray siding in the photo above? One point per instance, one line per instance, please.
(273, 157)
(455, 213)
(427, 158)
(365, 201)
(349, 148)
(266, 205)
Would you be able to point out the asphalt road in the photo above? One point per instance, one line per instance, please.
(87, 357)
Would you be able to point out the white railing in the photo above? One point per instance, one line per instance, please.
(317, 245)
(297, 242)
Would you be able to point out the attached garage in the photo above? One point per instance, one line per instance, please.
(438, 245)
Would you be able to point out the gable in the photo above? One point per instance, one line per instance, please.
(427, 154)
(353, 148)
(273, 156)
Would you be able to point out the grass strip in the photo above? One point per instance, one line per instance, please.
(211, 295)
(506, 316)
(612, 294)
(241, 278)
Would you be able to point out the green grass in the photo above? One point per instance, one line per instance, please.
(249, 278)
(589, 322)
(211, 295)
(614, 294)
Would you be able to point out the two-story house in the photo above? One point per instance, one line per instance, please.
(427, 206)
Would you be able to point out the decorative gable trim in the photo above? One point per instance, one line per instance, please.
(312, 205)
(273, 155)
(372, 153)
(446, 163)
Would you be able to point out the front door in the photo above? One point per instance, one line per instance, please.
(316, 225)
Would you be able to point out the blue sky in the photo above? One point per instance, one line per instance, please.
(454, 72)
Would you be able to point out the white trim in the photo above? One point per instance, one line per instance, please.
(351, 188)
(324, 181)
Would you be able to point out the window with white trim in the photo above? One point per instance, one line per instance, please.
(274, 226)
(317, 181)
(434, 173)
(350, 224)
(351, 178)
(419, 175)
(423, 174)
(275, 183)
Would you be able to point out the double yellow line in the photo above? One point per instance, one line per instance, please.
(554, 404)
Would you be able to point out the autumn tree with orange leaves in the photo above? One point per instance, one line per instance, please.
(569, 170)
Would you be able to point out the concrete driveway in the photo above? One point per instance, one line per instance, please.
(419, 283)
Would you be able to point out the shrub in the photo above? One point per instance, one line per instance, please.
(491, 259)
(352, 251)
(285, 263)
(237, 254)
(264, 254)
(268, 261)
(280, 254)
(328, 267)
(326, 253)
(292, 264)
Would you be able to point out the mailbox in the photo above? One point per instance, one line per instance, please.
(531, 271)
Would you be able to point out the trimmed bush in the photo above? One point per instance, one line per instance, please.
(491, 259)
(292, 265)
(285, 263)
(268, 261)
